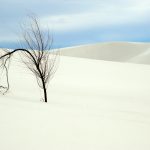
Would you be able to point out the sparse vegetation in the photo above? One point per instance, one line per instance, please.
(37, 55)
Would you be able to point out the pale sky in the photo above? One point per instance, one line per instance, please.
(76, 22)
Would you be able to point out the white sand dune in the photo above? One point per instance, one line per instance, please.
(92, 105)
(115, 51)
(143, 58)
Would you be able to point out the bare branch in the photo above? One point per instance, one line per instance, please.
(37, 55)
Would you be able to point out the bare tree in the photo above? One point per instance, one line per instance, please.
(37, 55)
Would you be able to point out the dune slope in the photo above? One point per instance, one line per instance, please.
(92, 105)
(115, 51)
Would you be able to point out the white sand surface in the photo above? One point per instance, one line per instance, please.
(92, 105)
(143, 58)
(113, 51)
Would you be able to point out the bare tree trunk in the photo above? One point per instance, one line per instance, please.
(45, 92)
